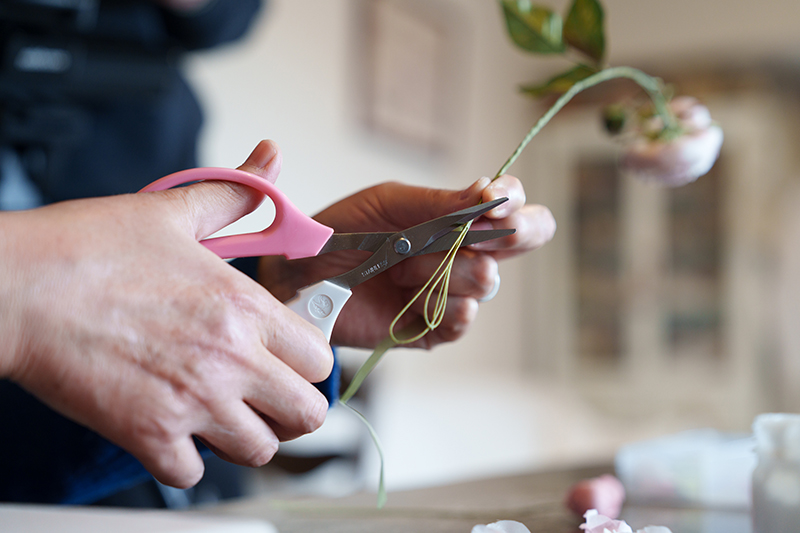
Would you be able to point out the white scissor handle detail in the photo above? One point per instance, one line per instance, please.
(320, 304)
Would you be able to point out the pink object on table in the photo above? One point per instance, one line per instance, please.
(604, 493)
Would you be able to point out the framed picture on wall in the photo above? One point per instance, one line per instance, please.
(410, 70)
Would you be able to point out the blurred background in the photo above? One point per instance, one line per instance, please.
(652, 311)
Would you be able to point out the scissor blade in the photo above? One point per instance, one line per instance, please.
(355, 241)
(437, 228)
(471, 213)
(473, 237)
(370, 242)
(410, 242)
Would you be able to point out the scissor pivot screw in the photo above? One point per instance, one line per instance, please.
(402, 246)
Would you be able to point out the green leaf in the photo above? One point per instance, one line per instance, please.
(533, 28)
(561, 83)
(583, 28)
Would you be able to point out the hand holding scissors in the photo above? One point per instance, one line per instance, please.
(295, 235)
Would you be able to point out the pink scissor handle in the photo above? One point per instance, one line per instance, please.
(292, 233)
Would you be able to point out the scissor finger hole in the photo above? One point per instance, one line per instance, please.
(256, 221)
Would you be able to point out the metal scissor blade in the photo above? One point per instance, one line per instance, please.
(410, 242)
(355, 241)
(471, 213)
(437, 228)
(473, 237)
(370, 242)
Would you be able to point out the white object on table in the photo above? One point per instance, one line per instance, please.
(25, 518)
(776, 480)
(704, 468)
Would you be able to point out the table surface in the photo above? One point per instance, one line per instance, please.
(535, 499)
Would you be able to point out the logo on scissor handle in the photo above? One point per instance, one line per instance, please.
(320, 306)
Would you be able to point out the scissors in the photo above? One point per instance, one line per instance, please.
(296, 235)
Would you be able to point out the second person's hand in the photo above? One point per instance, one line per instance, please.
(365, 319)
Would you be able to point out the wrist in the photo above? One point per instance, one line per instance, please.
(11, 284)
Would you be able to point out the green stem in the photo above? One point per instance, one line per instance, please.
(651, 86)
(377, 442)
(648, 83)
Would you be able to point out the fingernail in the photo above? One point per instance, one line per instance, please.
(485, 245)
(498, 190)
(264, 153)
(475, 188)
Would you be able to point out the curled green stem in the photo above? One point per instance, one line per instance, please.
(441, 277)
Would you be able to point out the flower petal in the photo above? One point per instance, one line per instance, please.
(597, 523)
(676, 162)
(501, 526)
(691, 113)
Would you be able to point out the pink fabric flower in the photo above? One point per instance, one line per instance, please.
(606, 494)
(501, 526)
(677, 161)
(597, 523)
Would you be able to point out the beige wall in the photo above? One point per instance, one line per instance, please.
(466, 409)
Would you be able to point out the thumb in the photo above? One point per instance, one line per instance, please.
(397, 205)
(440, 202)
(265, 161)
(212, 205)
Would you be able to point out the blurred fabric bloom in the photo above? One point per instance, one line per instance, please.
(503, 526)
(680, 157)
(597, 523)
(606, 494)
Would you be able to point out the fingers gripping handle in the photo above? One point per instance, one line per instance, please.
(320, 304)
(292, 233)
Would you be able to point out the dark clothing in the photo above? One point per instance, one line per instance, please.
(126, 114)
(114, 141)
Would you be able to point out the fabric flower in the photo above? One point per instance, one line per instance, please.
(606, 494)
(503, 526)
(674, 161)
(597, 523)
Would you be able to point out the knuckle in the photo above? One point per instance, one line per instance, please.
(484, 272)
(322, 365)
(313, 412)
(186, 478)
(262, 454)
(171, 469)
(544, 226)
(160, 425)
(464, 313)
(453, 332)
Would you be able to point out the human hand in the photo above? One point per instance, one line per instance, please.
(365, 319)
(114, 315)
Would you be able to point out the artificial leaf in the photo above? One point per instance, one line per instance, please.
(561, 83)
(533, 28)
(583, 28)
